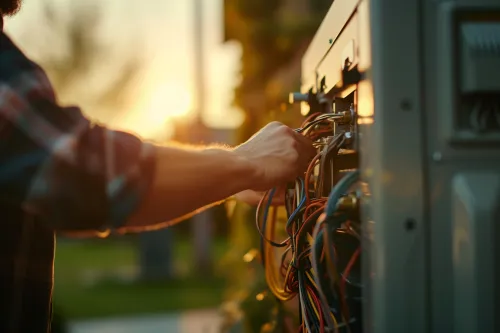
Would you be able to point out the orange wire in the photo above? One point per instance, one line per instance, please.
(308, 175)
(319, 203)
(310, 118)
(306, 222)
(317, 134)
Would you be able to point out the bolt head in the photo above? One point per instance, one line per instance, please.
(437, 156)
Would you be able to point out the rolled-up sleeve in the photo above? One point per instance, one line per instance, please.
(55, 163)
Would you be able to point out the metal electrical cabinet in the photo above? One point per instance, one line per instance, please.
(424, 79)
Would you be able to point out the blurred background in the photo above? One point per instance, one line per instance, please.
(194, 71)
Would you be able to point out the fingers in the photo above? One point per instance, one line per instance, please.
(306, 145)
(284, 154)
(306, 152)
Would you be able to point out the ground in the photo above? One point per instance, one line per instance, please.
(206, 321)
(96, 279)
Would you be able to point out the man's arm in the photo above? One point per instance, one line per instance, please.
(193, 179)
(78, 176)
(186, 180)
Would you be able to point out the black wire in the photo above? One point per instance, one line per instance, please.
(330, 152)
(307, 304)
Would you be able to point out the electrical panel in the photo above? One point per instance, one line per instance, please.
(417, 84)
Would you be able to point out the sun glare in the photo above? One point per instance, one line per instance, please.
(167, 101)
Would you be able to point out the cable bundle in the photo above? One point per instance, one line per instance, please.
(321, 245)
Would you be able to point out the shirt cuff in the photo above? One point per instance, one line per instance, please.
(127, 192)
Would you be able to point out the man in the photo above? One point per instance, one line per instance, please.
(60, 172)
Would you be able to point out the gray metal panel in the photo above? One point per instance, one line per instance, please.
(444, 158)
(411, 154)
(443, 23)
(326, 35)
(396, 177)
(480, 56)
(364, 108)
(475, 209)
(308, 84)
(345, 46)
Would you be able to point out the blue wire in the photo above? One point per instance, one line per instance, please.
(299, 206)
(290, 219)
(266, 208)
(338, 190)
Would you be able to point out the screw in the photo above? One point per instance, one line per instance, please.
(437, 156)
(410, 224)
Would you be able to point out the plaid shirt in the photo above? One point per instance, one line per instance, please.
(58, 172)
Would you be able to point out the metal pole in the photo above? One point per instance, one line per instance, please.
(202, 223)
(199, 58)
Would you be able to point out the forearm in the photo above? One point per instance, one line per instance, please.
(187, 180)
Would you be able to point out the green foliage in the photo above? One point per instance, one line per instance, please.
(265, 314)
(257, 9)
(272, 35)
(253, 309)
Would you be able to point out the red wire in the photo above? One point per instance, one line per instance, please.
(348, 268)
(319, 204)
(318, 307)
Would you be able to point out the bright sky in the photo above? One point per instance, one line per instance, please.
(162, 31)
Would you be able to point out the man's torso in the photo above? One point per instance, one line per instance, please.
(26, 245)
(26, 273)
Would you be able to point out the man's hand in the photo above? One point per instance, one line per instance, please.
(186, 180)
(278, 155)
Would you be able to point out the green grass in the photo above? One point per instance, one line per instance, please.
(75, 297)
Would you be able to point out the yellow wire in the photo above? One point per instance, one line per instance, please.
(313, 304)
(273, 277)
(311, 279)
(271, 273)
(288, 272)
(335, 322)
(277, 287)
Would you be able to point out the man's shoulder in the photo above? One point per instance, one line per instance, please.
(21, 76)
(13, 62)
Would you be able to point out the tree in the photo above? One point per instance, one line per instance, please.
(272, 34)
